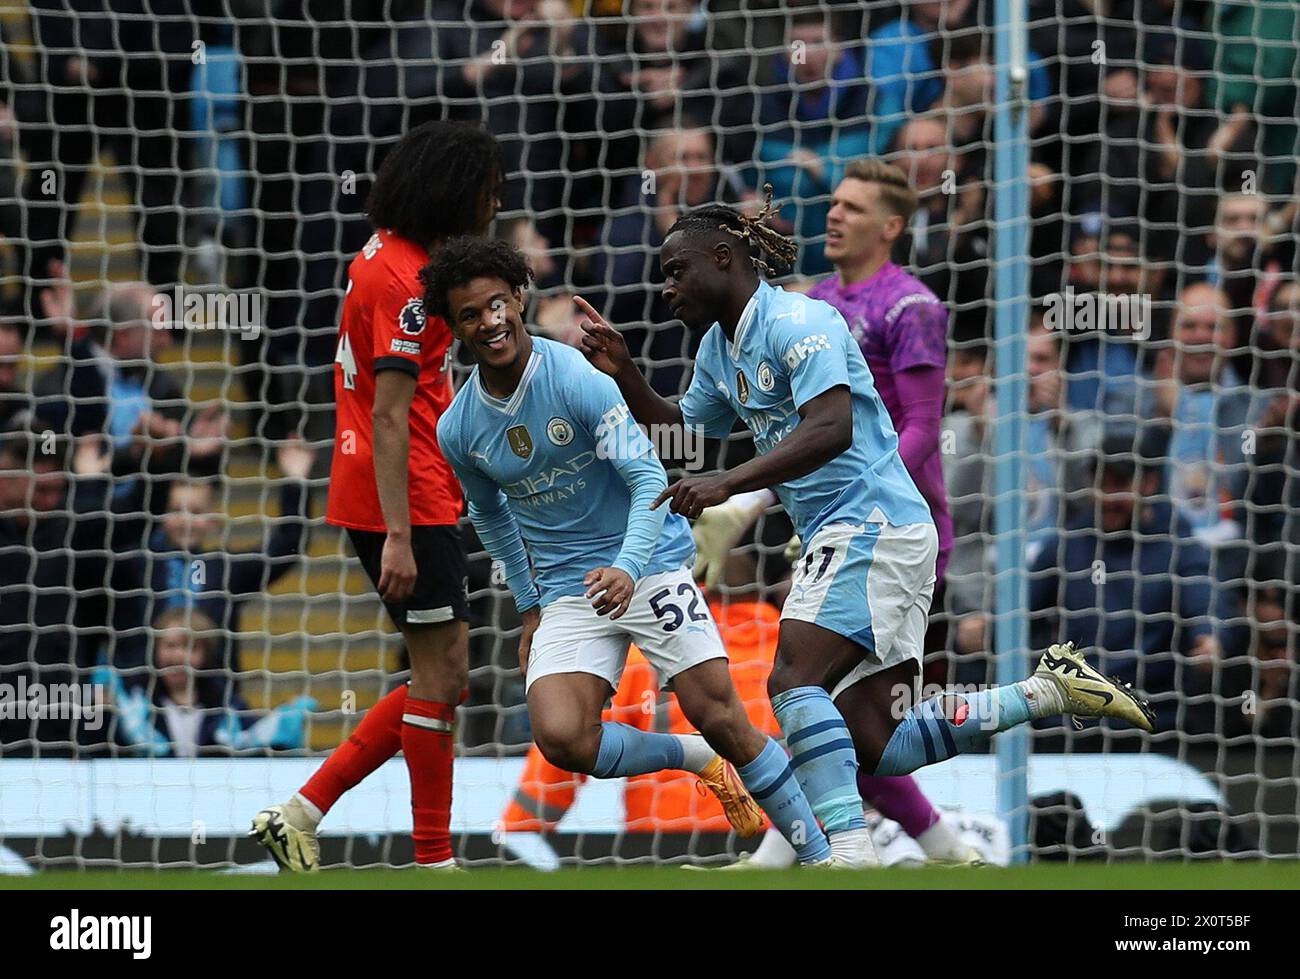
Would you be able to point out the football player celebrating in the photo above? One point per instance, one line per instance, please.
(558, 476)
(853, 626)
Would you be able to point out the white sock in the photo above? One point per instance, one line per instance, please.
(307, 809)
(941, 842)
(696, 753)
(855, 846)
(774, 852)
(1044, 696)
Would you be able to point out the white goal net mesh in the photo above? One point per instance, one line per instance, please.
(217, 153)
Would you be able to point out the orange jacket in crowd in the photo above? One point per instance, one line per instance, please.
(670, 801)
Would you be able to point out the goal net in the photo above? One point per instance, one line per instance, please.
(182, 186)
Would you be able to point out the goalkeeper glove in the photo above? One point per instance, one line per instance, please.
(718, 529)
(793, 548)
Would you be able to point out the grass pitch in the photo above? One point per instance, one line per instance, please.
(1213, 875)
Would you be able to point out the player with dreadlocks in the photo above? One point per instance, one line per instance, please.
(853, 626)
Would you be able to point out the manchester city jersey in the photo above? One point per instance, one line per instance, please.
(563, 462)
(789, 349)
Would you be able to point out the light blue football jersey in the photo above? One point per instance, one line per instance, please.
(561, 470)
(789, 349)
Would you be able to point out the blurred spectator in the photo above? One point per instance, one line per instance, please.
(1101, 361)
(1160, 155)
(1240, 259)
(1276, 338)
(1199, 396)
(517, 66)
(1126, 580)
(667, 60)
(906, 58)
(625, 267)
(1272, 452)
(813, 126)
(948, 246)
(295, 255)
(183, 709)
(1255, 72)
(968, 91)
(40, 573)
(178, 568)
(117, 79)
(110, 383)
(1276, 680)
(13, 397)
(1058, 446)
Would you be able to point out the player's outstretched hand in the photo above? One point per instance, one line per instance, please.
(610, 590)
(691, 496)
(532, 618)
(396, 570)
(601, 343)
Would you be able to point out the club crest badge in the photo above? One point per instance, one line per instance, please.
(559, 431)
(766, 379)
(521, 443)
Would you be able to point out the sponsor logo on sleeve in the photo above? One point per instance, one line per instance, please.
(805, 348)
(401, 346)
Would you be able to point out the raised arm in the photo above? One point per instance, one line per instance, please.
(603, 346)
(825, 430)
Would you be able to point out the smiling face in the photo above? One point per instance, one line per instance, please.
(487, 317)
(696, 283)
(858, 224)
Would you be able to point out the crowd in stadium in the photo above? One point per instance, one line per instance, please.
(1163, 136)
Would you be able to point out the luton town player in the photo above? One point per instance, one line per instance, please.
(555, 472)
(392, 490)
(853, 627)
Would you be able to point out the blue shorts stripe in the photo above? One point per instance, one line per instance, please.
(930, 756)
(840, 744)
(811, 729)
(948, 742)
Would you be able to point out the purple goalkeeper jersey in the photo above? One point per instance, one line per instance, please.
(900, 324)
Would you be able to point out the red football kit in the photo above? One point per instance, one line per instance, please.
(383, 327)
